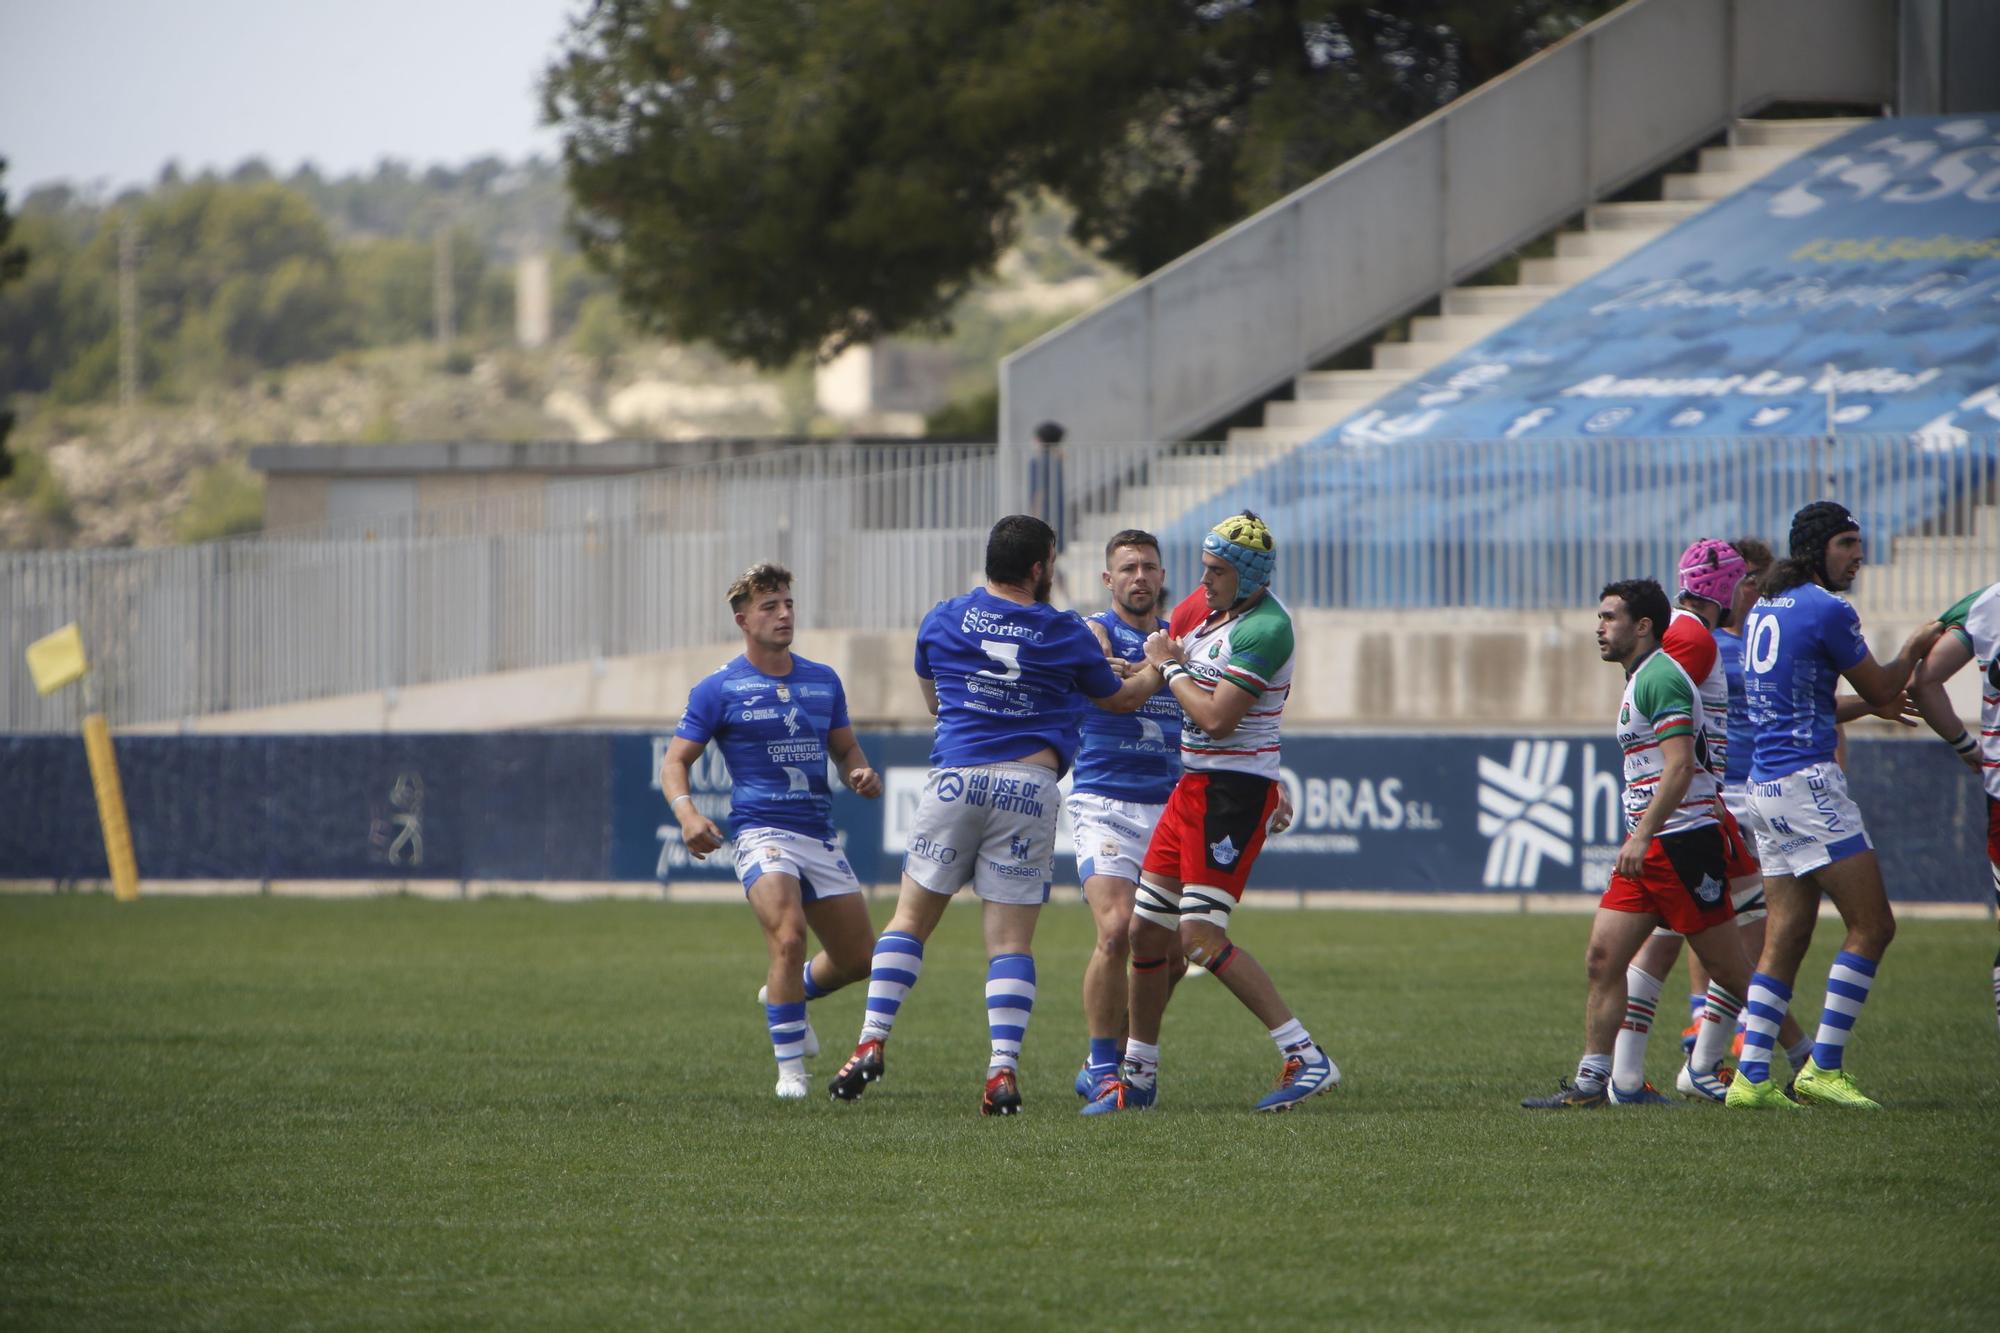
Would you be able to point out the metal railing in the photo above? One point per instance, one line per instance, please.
(878, 534)
(1231, 321)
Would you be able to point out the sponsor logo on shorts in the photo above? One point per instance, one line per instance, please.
(1018, 872)
(1223, 853)
(951, 785)
(933, 851)
(1020, 847)
(1108, 850)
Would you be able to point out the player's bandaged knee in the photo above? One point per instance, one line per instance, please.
(1211, 906)
(1152, 903)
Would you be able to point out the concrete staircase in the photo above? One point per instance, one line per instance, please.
(1323, 399)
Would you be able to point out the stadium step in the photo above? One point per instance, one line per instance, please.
(1512, 302)
(1797, 135)
(1321, 400)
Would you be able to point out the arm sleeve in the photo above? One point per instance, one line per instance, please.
(1689, 643)
(1844, 643)
(1961, 610)
(699, 721)
(1258, 650)
(1093, 675)
(1667, 700)
(923, 655)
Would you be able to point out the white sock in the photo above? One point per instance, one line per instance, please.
(1142, 1060)
(1628, 1055)
(1293, 1039)
(1718, 1028)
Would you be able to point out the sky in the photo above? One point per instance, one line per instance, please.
(106, 92)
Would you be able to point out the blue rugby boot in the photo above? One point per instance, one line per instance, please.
(1303, 1076)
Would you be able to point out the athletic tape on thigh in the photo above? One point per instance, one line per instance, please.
(1152, 903)
(1210, 905)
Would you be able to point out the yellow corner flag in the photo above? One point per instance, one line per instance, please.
(57, 659)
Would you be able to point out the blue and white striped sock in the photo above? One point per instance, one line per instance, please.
(1847, 984)
(813, 989)
(898, 960)
(1763, 1015)
(788, 1029)
(1010, 1001)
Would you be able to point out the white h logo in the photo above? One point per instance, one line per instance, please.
(1524, 807)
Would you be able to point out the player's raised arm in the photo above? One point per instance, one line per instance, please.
(1945, 659)
(698, 831)
(1880, 682)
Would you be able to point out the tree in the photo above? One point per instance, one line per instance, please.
(13, 263)
(780, 176)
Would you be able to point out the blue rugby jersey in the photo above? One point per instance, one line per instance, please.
(772, 731)
(1795, 646)
(1742, 739)
(1131, 756)
(1010, 678)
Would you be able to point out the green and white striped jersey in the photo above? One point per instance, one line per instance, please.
(1975, 618)
(1253, 652)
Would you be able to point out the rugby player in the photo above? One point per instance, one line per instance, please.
(778, 718)
(1673, 865)
(1799, 639)
(1227, 657)
(1007, 676)
(1974, 622)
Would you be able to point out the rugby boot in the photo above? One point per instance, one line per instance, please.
(1566, 1097)
(1712, 1086)
(862, 1068)
(1765, 1096)
(1831, 1087)
(1002, 1095)
(1303, 1076)
(1122, 1093)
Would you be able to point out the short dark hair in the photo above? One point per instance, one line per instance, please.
(1755, 551)
(1644, 599)
(1050, 432)
(1131, 537)
(1016, 545)
(757, 580)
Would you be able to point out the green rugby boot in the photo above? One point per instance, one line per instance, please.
(1765, 1096)
(1831, 1087)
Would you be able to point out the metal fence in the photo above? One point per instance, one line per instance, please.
(878, 534)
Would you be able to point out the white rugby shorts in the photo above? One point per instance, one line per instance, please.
(1110, 835)
(1805, 821)
(990, 825)
(817, 864)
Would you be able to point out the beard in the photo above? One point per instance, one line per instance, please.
(1045, 587)
(1139, 602)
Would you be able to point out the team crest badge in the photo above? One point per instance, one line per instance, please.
(1109, 850)
(784, 694)
(1624, 715)
(1223, 853)
(1709, 891)
(1020, 847)
(772, 853)
(1214, 651)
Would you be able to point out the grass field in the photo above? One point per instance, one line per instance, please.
(386, 1113)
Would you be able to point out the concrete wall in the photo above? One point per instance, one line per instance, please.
(1417, 670)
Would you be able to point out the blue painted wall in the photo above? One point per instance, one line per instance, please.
(1461, 813)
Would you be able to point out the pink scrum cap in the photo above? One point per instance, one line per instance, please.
(1712, 569)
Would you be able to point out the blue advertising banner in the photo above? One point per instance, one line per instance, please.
(1861, 279)
(1420, 813)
